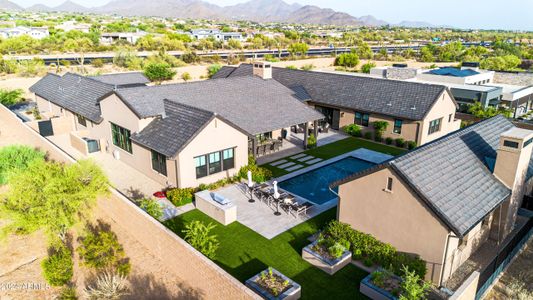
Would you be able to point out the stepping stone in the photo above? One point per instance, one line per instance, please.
(306, 158)
(314, 161)
(286, 165)
(279, 162)
(298, 156)
(294, 168)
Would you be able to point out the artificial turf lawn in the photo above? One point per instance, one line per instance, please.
(244, 253)
(337, 148)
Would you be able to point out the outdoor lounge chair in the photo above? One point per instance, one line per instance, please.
(302, 208)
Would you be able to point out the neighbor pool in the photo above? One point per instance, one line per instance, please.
(314, 185)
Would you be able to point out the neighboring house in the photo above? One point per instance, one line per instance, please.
(123, 80)
(219, 35)
(179, 135)
(517, 98)
(445, 199)
(35, 32)
(73, 25)
(113, 37)
(414, 111)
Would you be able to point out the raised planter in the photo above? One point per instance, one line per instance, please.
(330, 266)
(367, 288)
(293, 290)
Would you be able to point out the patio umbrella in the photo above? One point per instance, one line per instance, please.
(276, 193)
(250, 182)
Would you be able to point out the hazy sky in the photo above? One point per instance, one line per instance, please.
(508, 14)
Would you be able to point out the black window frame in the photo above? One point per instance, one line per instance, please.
(202, 169)
(435, 126)
(390, 182)
(397, 129)
(228, 163)
(214, 162)
(121, 137)
(81, 120)
(217, 166)
(159, 162)
(362, 119)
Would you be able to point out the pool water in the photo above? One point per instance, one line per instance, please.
(314, 185)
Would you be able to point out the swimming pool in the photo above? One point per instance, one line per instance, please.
(314, 185)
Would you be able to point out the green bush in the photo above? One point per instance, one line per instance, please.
(152, 207)
(190, 57)
(336, 250)
(307, 67)
(213, 69)
(368, 135)
(198, 235)
(10, 97)
(311, 141)
(101, 250)
(353, 130)
(259, 174)
(180, 197)
(349, 60)
(158, 72)
(58, 266)
(389, 141)
(411, 145)
(399, 142)
(379, 128)
(413, 287)
(367, 67)
(67, 293)
(98, 63)
(378, 137)
(17, 158)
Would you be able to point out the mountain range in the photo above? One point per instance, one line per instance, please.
(253, 10)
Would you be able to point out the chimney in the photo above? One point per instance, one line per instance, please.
(512, 161)
(262, 69)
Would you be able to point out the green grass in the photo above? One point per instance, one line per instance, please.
(337, 148)
(244, 253)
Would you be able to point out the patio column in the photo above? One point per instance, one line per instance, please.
(254, 147)
(315, 128)
(306, 134)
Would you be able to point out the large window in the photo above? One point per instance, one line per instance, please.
(159, 162)
(361, 119)
(214, 162)
(434, 126)
(121, 137)
(397, 126)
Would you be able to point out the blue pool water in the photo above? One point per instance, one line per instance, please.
(314, 185)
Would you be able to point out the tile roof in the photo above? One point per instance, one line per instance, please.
(409, 100)
(123, 79)
(76, 93)
(251, 103)
(170, 134)
(452, 174)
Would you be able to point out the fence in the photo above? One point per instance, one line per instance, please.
(491, 272)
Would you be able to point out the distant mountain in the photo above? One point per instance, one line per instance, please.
(415, 24)
(163, 8)
(372, 21)
(69, 6)
(8, 5)
(311, 14)
(39, 8)
(261, 10)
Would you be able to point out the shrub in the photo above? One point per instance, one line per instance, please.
(353, 130)
(17, 158)
(108, 286)
(368, 135)
(158, 72)
(186, 76)
(378, 137)
(307, 67)
(349, 60)
(291, 67)
(98, 63)
(101, 250)
(10, 97)
(311, 141)
(412, 286)
(180, 197)
(367, 67)
(190, 57)
(379, 128)
(58, 267)
(411, 145)
(198, 235)
(65, 63)
(336, 250)
(259, 174)
(67, 293)
(213, 69)
(399, 142)
(152, 207)
(389, 140)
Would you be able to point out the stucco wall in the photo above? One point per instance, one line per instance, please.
(443, 108)
(216, 136)
(398, 218)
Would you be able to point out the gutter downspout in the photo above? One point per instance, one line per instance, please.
(445, 259)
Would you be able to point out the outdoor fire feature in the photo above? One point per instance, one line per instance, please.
(271, 284)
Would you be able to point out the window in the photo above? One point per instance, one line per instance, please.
(527, 143)
(121, 137)
(397, 126)
(510, 144)
(361, 119)
(264, 136)
(389, 185)
(450, 118)
(81, 120)
(215, 165)
(201, 166)
(434, 126)
(214, 162)
(159, 162)
(227, 159)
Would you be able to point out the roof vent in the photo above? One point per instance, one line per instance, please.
(413, 108)
(389, 104)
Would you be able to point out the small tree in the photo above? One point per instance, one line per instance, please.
(213, 69)
(348, 60)
(234, 44)
(298, 49)
(58, 267)
(379, 128)
(367, 67)
(186, 76)
(152, 208)
(198, 235)
(413, 287)
(158, 72)
(10, 97)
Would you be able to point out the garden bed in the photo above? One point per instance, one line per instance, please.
(381, 285)
(271, 284)
(319, 257)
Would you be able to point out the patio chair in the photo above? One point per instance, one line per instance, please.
(325, 128)
(260, 150)
(277, 145)
(301, 208)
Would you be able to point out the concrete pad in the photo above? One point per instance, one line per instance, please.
(286, 165)
(298, 156)
(294, 168)
(306, 158)
(313, 161)
(279, 162)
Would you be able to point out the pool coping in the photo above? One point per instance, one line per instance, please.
(361, 153)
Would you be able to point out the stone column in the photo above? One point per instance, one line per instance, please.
(306, 134)
(315, 129)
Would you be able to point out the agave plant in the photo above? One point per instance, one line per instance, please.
(109, 286)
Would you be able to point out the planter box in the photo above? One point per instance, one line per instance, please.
(367, 288)
(327, 265)
(292, 293)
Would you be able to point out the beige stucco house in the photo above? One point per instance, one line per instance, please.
(180, 135)
(414, 111)
(444, 200)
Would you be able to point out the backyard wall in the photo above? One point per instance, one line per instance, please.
(199, 277)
